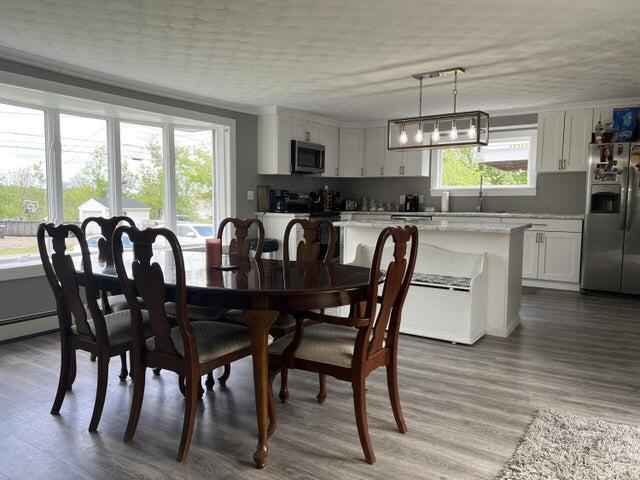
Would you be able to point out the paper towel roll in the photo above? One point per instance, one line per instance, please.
(445, 201)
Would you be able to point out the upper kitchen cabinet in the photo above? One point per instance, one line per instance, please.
(328, 136)
(274, 144)
(563, 139)
(374, 147)
(351, 152)
(381, 162)
(305, 130)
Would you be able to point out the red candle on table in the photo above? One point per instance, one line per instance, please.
(213, 251)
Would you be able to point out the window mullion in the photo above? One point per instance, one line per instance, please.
(114, 161)
(169, 161)
(53, 155)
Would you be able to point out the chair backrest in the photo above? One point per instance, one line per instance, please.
(61, 274)
(239, 245)
(309, 248)
(107, 227)
(148, 282)
(385, 314)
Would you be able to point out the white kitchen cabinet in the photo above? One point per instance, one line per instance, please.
(577, 135)
(392, 161)
(274, 144)
(563, 139)
(530, 254)
(550, 140)
(351, 152)
(415, 163)
(559, 256)
(328, 136)
(374, 144)
(304, 130)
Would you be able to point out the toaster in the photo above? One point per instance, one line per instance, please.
(351, 205)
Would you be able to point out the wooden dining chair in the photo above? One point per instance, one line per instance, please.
(104, 335)
(110, 303)
(308, 250)
(351, 348)
(190, 349)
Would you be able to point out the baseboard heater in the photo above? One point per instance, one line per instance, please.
(26, 318)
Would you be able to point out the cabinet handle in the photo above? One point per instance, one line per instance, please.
(559, 164)
(537, 237)
(361, 171)
(541, 237)
(381, 170)
(564, 164)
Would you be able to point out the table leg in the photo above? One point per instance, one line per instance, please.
(259, 322)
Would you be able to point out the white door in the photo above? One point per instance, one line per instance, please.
(559, 257)
(550, 139)
(530, 254)
(577, 135)
(329, 138)
(373, 151)
(415, 163)
(351, 152)
(298, 129)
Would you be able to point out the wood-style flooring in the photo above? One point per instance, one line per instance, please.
(466, 407)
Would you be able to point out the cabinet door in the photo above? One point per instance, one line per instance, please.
(314, 132)
(374, 152)
(577, 135)
(298, 129)
(351, 152)
(530, 254)
(329, 138)
(415, 163)
(550, 139)
(284, 145)
(392, 160)
(559, 257)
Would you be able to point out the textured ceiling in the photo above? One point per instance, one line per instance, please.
(349, 59)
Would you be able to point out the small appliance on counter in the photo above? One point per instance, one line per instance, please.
(350, 205)
(278, 200)
(298, 202)
(411, 202)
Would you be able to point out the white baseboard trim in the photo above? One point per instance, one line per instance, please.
(574, 287)
(28, 328)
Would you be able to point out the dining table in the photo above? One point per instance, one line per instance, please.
(261, 288)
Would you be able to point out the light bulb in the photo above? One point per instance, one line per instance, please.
(454, 131)
(471, 133)
(419, 136)
(435, 136)
(403, 136)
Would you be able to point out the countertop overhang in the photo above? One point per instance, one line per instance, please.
(439, 226)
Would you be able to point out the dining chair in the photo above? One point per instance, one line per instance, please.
(110, 303)
(308, 250)
(103, 334)
(191, 348)
(351, 348)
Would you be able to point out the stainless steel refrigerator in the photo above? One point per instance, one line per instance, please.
(611, 243)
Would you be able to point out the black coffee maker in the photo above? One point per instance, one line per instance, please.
(278, 200)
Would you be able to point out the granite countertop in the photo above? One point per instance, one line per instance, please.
(440, 226)
(553, 216)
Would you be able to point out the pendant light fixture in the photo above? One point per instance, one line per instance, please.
(454, 129)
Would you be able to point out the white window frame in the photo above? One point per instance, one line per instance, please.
(491, 190)
(118, 110)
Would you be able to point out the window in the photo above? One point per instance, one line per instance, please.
(84, 168)
(23, 183)
(506, 166)
(142, 174)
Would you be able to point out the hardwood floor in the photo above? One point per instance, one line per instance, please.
(466, 407)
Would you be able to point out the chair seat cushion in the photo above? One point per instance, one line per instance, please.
(195, 312)
(119, 327)
(214, 339)
(323, 343)
(117, 303)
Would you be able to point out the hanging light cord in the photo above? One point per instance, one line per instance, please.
(455, 90)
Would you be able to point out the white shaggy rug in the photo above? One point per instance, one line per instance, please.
(563, 446)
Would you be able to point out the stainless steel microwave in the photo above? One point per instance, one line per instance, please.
(307, 157)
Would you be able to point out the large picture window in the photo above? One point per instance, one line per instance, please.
(23, 183)
(506, 165)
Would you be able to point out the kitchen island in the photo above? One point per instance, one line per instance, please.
(500, 244)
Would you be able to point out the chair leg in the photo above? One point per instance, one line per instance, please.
(92, 358)
(284, 385)
(273, 417)
(73, 370)
(139, 372)
(394, 395)
(322, 394)
(191, 406)
(360, 406)
(65, 376)
(156, 371)
(209, 382)
(222, 379)
(101, 391)
(124, 372)
(183, 390)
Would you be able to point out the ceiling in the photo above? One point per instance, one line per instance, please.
(347, 59)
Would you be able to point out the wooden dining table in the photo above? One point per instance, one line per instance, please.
(261, 288)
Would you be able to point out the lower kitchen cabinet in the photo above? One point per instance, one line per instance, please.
(530, 254)
(559, 256)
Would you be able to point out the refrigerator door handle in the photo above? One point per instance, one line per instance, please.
(630, 197)
(624, 200)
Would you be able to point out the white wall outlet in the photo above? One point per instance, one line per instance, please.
(250, 195)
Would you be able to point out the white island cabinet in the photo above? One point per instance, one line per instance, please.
(499, 244)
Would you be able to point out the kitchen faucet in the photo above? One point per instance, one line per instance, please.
(479, 206)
